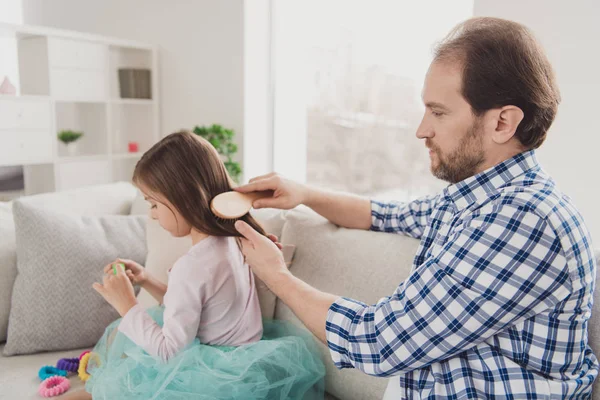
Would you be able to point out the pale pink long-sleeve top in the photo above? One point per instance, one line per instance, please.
(211, 294)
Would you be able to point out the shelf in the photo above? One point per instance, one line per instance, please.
(130, 58)
(24, 97)
(32, 52)
(67, 159)
(70, 81)
(86, 117)
(122, 169)
(127, 156)
(83, 171)
(76, 100)
(132, 123)
(141, 102)
(32, 30)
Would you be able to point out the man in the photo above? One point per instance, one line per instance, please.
(499, 297)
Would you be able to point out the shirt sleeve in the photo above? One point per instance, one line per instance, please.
(500, 269)
(408, 218)
(183, 305)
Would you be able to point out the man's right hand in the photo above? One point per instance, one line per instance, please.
(287, 194)
(346, 210)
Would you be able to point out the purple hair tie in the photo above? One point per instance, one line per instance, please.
(68, 364)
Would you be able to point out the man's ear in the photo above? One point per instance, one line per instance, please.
(507, 120)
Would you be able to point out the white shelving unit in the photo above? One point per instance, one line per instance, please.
(69, 80)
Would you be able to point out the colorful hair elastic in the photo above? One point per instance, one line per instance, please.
(83, 364)
(48, 371)
(68, 364)
(54, 386)
(83, 354)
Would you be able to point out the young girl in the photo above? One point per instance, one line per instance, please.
(207, 339)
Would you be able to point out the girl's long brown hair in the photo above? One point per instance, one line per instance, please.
(186, 170)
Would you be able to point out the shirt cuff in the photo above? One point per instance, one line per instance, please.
(375, 223)
(128, 322)
(339, 321)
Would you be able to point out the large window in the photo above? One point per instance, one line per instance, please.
(348, 80)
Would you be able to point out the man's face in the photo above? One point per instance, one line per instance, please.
(452, 133)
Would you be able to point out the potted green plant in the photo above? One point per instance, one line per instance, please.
(222, 140)
(69, 137)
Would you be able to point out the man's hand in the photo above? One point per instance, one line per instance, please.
(266, 261)
(262, 254)
(287, 194)
(347, 210)
(274, 239)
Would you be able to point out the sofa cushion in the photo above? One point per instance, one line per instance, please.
(19, 379)
(19, 375)
(114, 198)
(110, 199)
(358, 264)
(59, 257)
(8, 264)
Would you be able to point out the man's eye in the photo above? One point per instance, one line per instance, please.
(437, 114)
(153, 206)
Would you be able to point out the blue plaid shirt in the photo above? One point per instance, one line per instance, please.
(497, 302)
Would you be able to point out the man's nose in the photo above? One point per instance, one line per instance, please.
(424, 130)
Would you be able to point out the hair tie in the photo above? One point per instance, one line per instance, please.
(68, 364)
(48, 371)
(83, 354)
(54, 386)
(83, 364)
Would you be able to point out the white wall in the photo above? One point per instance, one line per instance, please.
(569, 32)
(200, 51)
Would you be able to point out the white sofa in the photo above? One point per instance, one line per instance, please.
(359, 264)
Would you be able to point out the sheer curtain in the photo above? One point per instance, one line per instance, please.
(362, 66)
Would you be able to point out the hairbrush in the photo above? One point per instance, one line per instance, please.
(233, 205)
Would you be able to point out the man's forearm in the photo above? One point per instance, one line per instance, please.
(155, 287)
(308, 304)
(342, 209)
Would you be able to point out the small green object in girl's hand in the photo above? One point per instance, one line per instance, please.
(115, 267)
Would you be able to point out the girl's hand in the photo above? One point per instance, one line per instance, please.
(134, 271)
(117, 290)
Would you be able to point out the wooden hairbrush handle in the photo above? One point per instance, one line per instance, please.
(259, 195)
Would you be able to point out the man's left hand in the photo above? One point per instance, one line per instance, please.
(261, 253)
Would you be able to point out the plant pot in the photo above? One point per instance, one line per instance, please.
(72, 148)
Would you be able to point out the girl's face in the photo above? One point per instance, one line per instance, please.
(167, 215)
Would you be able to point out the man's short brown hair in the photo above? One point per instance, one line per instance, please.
(503, 64)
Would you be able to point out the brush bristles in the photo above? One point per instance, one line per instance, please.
(225, 220)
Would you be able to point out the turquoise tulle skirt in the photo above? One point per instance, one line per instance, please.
(284, 364)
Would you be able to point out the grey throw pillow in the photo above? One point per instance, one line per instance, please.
(59, 257)
(8, 264)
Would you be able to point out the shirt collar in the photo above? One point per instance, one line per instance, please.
(484, 184)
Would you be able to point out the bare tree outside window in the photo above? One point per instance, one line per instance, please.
(367, 62)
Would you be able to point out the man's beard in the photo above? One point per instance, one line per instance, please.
(463, 162)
